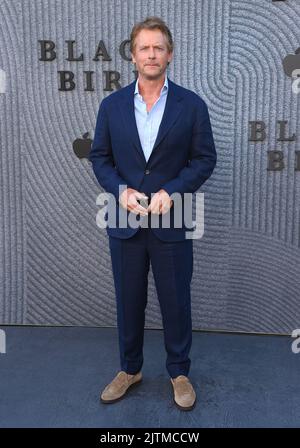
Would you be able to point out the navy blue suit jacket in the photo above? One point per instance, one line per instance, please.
(182, 159)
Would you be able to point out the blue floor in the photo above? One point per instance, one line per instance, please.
(52, 377)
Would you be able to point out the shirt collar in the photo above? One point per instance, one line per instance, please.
(164, 87)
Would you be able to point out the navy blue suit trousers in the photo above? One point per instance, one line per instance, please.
(172, 267)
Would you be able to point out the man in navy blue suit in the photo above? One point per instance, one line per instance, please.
(153, 141)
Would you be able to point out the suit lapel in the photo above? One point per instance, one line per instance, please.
(171, 113)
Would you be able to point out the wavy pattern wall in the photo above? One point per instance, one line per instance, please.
(55, 262)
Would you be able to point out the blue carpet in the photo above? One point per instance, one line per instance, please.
(52, 377)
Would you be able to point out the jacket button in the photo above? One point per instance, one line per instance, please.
(147, 172)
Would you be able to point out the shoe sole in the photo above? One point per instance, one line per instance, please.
(122, 396)
(185, 408)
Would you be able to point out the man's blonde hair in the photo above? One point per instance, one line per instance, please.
(151, 23)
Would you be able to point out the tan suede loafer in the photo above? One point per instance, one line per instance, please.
(119, 386)
(184, 393)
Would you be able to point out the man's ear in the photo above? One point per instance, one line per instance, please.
(132, 58)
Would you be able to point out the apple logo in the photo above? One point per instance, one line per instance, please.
(2, 81)
(291, 63)
(82, 146)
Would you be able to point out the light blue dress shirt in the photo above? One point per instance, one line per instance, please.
(148, 122)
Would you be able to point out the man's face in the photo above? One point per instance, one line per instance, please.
(151, 54)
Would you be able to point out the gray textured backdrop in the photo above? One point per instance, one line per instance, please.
(55, 263)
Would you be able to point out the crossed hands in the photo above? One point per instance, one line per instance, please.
(160, 202)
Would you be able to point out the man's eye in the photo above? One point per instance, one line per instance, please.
(158, 48)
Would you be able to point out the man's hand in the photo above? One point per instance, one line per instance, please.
(128, 200)
(160, 203)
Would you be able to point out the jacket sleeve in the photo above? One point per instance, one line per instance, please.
(101, 156)
(202, 159)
